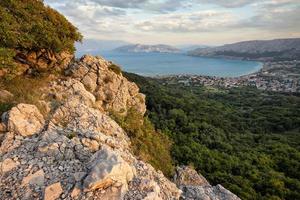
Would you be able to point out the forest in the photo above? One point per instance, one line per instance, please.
(246, 139)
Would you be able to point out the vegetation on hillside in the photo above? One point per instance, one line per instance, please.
(245, 139)
(147, 143)
(29, 25)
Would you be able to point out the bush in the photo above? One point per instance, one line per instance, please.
(147, 143)
(29, 25)
(115, 68)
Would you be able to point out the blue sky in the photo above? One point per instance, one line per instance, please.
(211, 22)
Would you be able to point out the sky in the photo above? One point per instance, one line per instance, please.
(176, 22)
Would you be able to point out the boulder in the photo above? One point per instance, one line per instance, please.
(8, 165)
(36, 178)
(188, 176)
(53, 192)
(107, 168)
(195, 187)
(207, 193)
(25, 120)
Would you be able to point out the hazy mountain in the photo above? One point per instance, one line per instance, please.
(136, 48)
(278, 49)
(93, 46)
(190, 47)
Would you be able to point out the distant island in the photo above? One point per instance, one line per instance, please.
(262, 50)
(140, 48)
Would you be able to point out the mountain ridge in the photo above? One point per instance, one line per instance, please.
(139, 48)
(263, 50)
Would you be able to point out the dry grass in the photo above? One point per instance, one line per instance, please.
(25, 90)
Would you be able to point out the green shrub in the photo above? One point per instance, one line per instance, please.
(115, 68)
(147, 143)
(29, 25)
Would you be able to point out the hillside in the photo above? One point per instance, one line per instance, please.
(76, 128)
(84, 135)
(264, 50)
(139, 48)
(244, 138)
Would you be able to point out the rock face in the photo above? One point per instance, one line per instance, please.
(32, 62)
(25, 120)
(188, 176)
(107, 168)
(111, 90)
(77, 151)
(195, 187)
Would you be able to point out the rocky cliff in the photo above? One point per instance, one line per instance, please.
(74, 150)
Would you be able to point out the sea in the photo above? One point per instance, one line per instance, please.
(164, 64)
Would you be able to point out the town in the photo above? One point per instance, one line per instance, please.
(280, 76)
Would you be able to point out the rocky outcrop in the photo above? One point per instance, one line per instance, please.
(32, 62)
(76, 151)
(195, 187)
(25, 120)
(112, 90)
(188, 176)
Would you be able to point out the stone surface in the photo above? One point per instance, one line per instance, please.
(112, 90)
(8, 165)
(25, 120)
(3, 127)
(106, 168)
(53, 192)
(34, 179)
(195, 187)
(188, 176)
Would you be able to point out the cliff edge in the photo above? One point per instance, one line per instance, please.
(75, 150)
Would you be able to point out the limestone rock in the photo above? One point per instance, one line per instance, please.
(207, 192)
(188, 176)
(195, 187)
(53, 192)
(3, 127)
(25, 120)
(107, 168)
(93, 145)
(112, 90)
(8, 165)
(34, 179)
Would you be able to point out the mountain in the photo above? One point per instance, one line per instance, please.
(95, 47)
(187, 48)
(278, 49)
(83, 134)
(137, 48)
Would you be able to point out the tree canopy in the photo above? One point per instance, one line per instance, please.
(30, 26)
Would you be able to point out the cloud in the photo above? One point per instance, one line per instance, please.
(156, 19)
(274, 16)
(121, 3)
(188, 22)
(228, 3)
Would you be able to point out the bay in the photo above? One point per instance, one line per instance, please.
(162, 64)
